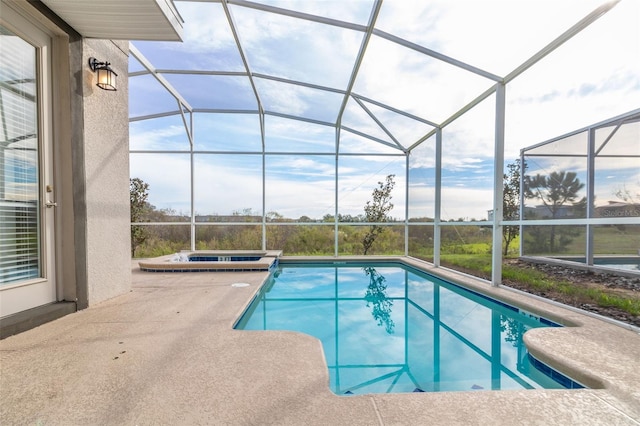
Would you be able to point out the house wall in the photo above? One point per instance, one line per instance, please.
(91, 167)
(103, 163)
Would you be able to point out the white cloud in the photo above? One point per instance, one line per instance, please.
(311, 200)
(158, 138)
(168, 178)
(414, 82)
(206, 28)
(466, 203)
(297, 49)
(281, 97)
(350, 11)
(290, 135)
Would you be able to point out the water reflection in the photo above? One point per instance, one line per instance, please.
(428, 335)
(377, 297)
(514, 330)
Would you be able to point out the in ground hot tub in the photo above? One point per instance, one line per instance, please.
(213, 261)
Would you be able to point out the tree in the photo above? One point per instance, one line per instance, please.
(376, 211)
(514, 330)
(511, 203)
(627, 195)
(556, 190)
(138, 194)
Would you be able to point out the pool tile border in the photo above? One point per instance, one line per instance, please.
(555, 375)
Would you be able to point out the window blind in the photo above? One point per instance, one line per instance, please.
(19, 193)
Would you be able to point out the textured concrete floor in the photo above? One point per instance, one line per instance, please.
(166, 353)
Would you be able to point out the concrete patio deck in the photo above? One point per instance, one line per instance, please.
(166, 353)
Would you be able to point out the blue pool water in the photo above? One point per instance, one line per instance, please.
(391, 328)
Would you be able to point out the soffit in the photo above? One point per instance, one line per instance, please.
(121, 19)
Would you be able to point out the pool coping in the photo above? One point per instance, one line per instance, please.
(166, 353)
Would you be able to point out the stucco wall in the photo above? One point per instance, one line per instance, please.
(103, 166)
(90, 159)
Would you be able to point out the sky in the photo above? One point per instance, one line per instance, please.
(592, 77)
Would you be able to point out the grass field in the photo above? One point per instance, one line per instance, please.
(480, 265)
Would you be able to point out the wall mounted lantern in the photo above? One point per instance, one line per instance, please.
(106, 76)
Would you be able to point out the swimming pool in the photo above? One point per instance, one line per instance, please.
(627, 263)
(388, 328)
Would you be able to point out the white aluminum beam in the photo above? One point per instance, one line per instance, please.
(484, 95)
(373, 138)
(406, 205)
(379, 123)
(187, 126)
(151, 116)
(606, 141)
(396, 110)
(298, 118)
(335, 196)
(424, 138)
(630, 116)
(438, 200)
(203, 72)
(498, 185)
(591, 194)
(245, 62)
(356, 67)
(436, 55)
(560, 40)
(630, 220)
(147, 64)
(298, 83)
(137, 73)
(481, 97)
(226, 111)
(298, 15)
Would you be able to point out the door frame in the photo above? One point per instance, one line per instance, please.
(40, 291)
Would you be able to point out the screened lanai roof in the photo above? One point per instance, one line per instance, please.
(384, 74)
(374, 82)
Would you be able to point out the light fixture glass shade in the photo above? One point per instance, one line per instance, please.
(106, 79)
